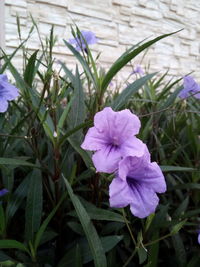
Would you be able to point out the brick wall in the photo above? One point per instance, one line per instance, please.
(117, 24)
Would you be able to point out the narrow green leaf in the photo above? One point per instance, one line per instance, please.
(180, 250)
(33, 212)
(108, 243)
(84, 154)
(9, 243)
(101, 214)
(77, 114)
(176, 228)
(142, 253)
(90, 232)
(45, 223)
(122, 98)
(17, 198)
(2, 220)
(17, 162)
(176, 169)
(30, 69)
(122, 61)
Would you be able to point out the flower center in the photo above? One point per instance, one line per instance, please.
(115, 141)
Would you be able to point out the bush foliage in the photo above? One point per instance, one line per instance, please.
(57, 212)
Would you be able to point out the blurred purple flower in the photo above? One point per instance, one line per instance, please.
(8, 92)
(199, 237)
(138, 69)
(190, 88)
(3, 192)
(79, 41)
(137, 182)
(113, 137)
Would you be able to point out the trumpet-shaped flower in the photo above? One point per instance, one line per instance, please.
(113, 137)
(137, 182)
(80, 40)
(8, 92)
(190, 88)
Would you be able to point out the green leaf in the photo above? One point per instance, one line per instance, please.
(176, 169)
(181, 209)
(17, 162)
(176, 228)
(4, 257)
(142, 253)
(100, 214)
(108, 243)
(30, 69)
(33, 212)
(154, 251)
(84, 154)
(2, 220)
(17, 198)
(90, 232)
(9, 243)
(82, 61)
(77, 114)
(180, 250)
(45, 223)
(187, 186)
(127, 57)
(122, 98)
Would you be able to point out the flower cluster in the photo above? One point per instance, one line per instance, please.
(8, 92)
(118, 150)
(190, 88)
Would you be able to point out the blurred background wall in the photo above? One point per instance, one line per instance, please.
(117, 24)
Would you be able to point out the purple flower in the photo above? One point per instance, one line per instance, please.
(85, 36)
(8, 92)
(136, 184)
(190, 88)
(199, 237)
(138, 69)
(113, 137)
(3, 192)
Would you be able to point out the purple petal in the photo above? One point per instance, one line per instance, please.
(132, 163)
(3, 104)
(85, 37)
(3, 78)
(89, 37)
(191, 88)
(144, 201)
(133, 147)
(94, 140)
(122, 124)
(106, 159)
(141, 170)
(120, 194)
(199, 238)
(8, 92)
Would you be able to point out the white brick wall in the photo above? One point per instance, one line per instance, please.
(117, 24)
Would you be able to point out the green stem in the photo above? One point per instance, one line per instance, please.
(127, 224)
